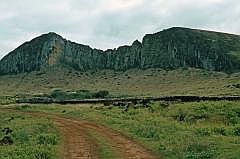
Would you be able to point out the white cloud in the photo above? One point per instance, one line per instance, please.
(110, 23)
(119, 5)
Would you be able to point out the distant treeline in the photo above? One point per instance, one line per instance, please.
(60, 96)
(104, 97)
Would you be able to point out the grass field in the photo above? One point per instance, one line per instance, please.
(31, 138)
(197, 130)
(151, 82)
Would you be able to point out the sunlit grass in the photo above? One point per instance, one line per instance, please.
(173, 130)
(33, 138)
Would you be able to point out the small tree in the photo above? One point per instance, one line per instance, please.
(101, 94)
(58, 94)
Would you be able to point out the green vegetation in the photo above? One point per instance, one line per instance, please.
(197, 130)
(61, 95)
(150, 82)
(7, 100)
(26, 137)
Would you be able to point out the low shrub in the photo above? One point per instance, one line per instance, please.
(6, 140)
(47, 139)
(58, 94)
(233, 117)
(203, 131)
(21, 136)
(81, 94)
(181, 115)
(200, 151)
(219, 131)
(101, 94)
(24, 107)
(236, 130)
(147, 132)
(42, 154)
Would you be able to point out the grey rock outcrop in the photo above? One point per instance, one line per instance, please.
(32, 56)
(168, 49)
(182, 47)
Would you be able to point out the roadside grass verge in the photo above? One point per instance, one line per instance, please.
(197, 130)
(31, 138)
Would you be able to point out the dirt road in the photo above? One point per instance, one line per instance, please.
(78, 144)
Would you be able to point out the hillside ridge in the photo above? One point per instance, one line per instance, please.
(168, 49)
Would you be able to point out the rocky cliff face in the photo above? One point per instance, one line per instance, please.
(168, 49)
(182, 47)
(39, 53)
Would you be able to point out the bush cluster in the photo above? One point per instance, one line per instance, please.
(81, 94)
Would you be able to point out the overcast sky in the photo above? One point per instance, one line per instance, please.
(110, 23)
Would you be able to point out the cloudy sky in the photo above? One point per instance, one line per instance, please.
(110, 23)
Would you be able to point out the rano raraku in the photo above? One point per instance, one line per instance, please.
(169, 49)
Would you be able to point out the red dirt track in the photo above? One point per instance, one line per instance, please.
(79, 145)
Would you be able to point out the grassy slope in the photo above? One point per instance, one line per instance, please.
(133, 82)
(160, 130)
(173, 130)
(33, 138)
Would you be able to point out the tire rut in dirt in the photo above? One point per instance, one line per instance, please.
(77, 143)
(126, 146)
